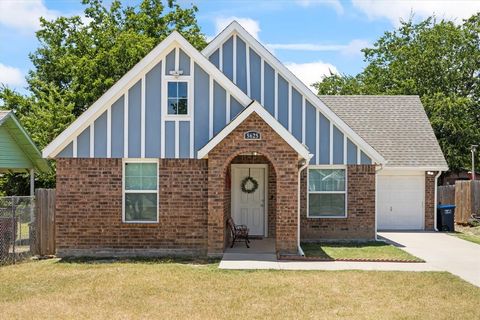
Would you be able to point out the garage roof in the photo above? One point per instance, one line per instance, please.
(396, 126)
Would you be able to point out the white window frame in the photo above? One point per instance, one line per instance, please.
(184, 117)
(331, 167)
(138, 160)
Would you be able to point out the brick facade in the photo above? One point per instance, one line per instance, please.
(430, 200)
(284, 161)
(360, 221)
(89, 210)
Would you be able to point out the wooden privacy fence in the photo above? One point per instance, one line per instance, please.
(466, 197)
(45, 222)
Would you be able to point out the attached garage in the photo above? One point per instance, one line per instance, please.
(401, 201)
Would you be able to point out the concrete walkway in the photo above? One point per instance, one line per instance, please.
(440, 251)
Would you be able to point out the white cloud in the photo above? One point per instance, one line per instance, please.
(24, 15)
(252, 26)
(394, 10)
(311, 72)
(352, 48)
(335, 4)
(11, 76)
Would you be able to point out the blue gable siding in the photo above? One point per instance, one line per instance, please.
(364, 159)
(67, 152)
(269, 89)
(297, 114)
(184, 139)
(100, 136)
(215, 58)
(324, 152)
(235, 107)
(169, 139)
(83, 144)
(241, 68)
(310, 130)
(255, 76)
(134, 120)
(227, 56)
(219, 109)
(153, 111)
(184, 63)
(117, 135)
(337, 146)
(351, 152)
(201, 109)
(170, 62)
(282, 101)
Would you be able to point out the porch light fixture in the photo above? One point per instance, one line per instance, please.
(430, 173)
(254, 153)
(175, 73)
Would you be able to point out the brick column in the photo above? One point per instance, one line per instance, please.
(216, 190)
(430, 200)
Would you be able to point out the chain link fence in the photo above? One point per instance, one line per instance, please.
(17, 234)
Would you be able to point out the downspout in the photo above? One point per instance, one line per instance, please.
(300, 251)
(435, 200)
(377, 170)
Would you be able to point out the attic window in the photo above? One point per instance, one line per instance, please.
(177, 98)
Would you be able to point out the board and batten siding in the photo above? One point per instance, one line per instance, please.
(136, 125)
(262, 82)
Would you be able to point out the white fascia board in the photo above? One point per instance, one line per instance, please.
(235, 27)
(420, 168)
(99, 106)
(271, 121)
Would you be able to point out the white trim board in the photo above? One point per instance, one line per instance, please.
(267, 117)
(238, 30)
(131, 77)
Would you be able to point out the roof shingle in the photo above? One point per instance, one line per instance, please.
(396, 126)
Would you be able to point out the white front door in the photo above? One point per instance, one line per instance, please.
(400, 202)
(249, 208)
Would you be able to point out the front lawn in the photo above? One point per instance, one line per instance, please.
(372, 250)
(468, 233)
(133, 290)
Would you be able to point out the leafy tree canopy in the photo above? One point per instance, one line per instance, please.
(79, 58)
(437, 60)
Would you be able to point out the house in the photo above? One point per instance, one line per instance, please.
(18, 153)
(187, 139)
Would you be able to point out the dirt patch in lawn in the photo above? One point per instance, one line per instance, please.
(357, 251)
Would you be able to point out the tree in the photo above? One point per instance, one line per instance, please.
(79, 58)
(437, 60)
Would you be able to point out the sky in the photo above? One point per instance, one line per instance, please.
(311, 37)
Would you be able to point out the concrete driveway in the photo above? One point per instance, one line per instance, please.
(441, 251)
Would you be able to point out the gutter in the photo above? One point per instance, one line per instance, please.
(307, 161)
(435, 201)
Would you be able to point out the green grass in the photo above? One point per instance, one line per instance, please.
(356, 250)
(133, 290)
(468, 233)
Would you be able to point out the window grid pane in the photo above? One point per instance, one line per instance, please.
(141, 207)
(326, 180)
(177, 97)
(327, 204)
(141, 176)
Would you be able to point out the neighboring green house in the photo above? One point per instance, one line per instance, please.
(18, 153)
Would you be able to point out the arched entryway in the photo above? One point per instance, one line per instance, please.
(255, 205)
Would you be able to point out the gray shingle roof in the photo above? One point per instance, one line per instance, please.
(396, 126)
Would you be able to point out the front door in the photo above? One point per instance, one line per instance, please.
(249, 208)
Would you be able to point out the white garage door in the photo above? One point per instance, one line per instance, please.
(400, 202)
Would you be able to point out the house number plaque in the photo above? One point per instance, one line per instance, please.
(252, 135)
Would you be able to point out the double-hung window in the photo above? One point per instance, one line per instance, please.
(140, 194)
(177, 98)
(327, 196)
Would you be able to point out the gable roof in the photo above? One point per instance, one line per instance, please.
(130, 78)
(396, 126)
(256, 107)
(235, 28)
(23, 141)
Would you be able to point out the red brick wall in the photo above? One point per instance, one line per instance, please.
(284, 160)
(89, 210)
(360, 221)
(429, 200)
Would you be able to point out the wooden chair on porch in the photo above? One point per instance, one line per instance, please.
(238, 232)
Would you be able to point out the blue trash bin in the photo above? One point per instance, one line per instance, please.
(446, 217)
